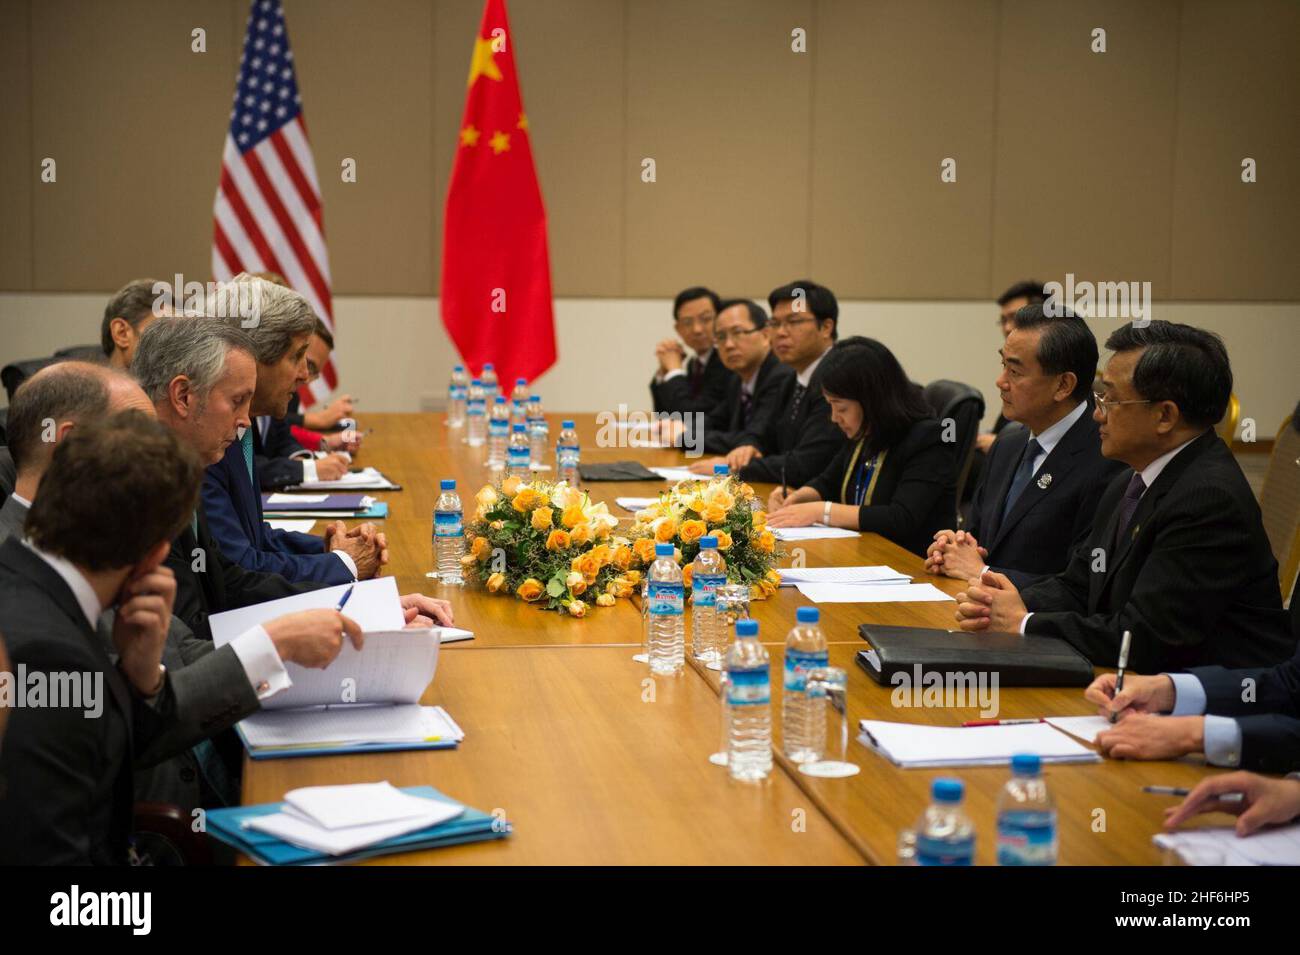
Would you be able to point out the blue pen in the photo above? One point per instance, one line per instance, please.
(346, 594)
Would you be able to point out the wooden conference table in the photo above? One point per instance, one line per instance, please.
(594, 763)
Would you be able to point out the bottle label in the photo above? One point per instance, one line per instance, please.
(665, 598)
(458, 392)
(518, 457)
(704, 589)
(477, 406)
(498, 428)
(797, 665)
(931, 851)
(1026, 839)
(447, 524)
(748, 687)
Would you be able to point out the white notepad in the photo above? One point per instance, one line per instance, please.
(635, 504)
(679, 474)
(882, 593)
(1085, 728)
(367, 479)
(841, 575)
(290, 524)
(815, 532)
(1217, 846)
(913, 746)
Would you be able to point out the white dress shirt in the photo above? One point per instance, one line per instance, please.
(805, 377)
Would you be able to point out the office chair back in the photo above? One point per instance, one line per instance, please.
(964, 406)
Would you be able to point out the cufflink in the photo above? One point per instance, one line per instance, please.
(263, 686)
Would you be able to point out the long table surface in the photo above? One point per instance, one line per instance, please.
(594, 762)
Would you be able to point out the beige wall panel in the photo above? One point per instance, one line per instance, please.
(135, 122)
(19, 168)
(719, 101)
(900, 86)
(1239, 96)
(365, 71)
(1085, 142)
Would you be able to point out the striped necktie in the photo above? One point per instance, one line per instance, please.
(246, 443)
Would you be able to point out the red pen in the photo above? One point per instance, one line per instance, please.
(999, 722)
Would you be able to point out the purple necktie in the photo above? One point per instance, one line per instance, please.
(1136, 488)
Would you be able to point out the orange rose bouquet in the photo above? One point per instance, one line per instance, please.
(726, 508)
(548, 544)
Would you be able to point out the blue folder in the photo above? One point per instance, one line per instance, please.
(265, 849)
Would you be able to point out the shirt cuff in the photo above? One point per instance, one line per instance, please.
(1189, 695)
(308, 472)
(1025, 621)
(1222, 741)
(673, 374)
(348, 562)
(262, 664)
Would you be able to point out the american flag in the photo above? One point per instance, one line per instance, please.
(268, 210)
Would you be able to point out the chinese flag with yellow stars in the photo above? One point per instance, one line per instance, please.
(496, 273)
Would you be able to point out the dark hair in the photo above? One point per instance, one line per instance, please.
(1188, 366)
(322, 332)
(756, 313)
(863, 370)
(66, 390)
(691, 294)
(145, 487)
(818, 299)
(1031, 290)
(1067, 344)
(133, 302)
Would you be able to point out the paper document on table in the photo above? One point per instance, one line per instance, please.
(273, 499)
(815, 532)
(291, 524)
(635, 504)
(885, 593)
(913, 746)
(841, 575)
(374, 605)
(1085, 728)
(1218, 846)
(392, 667)
(349, 723)
(355, 804)
(452, 634)
(363, 479)
(679, 474)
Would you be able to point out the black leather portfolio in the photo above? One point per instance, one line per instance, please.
(617, 471)
(1018, 661)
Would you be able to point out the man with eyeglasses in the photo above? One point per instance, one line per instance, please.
(696, 384)
(800, 440)
(1177, 555)
(753, 395)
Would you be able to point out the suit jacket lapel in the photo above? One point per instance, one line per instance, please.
(1061, 458)
(1015, 449)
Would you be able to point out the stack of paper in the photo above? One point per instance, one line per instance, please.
(1217, 846)
(815, 532)
(635, 504)
(883, 593)
(337, 820)
(290, 524)
(679, 474)
(790, 576)
(323, 505)
(913, 746)
(363, 479)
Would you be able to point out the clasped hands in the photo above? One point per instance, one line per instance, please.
(365, 544)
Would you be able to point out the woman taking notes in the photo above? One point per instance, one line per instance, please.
(895, 476)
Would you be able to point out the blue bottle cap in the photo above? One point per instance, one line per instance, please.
(519, 427)
(947, 790)
(500, 400)
(807, 615)
(521, 381)
(746, 628)
(459, 368)
(535, 398)
(488, 366)
(663, 550)
(721, 469)
(476, 381)
(1026, 764)
(708, 540)
(447, 484)
(566, 424)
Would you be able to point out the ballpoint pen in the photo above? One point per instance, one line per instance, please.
(1123, 662)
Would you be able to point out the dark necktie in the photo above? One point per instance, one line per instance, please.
(746, 402)
(799, 391)
(246, 443)
(1136, 488)
(1023, 475)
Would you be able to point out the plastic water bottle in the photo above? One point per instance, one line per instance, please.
(667, 637)
(721, 471)
(539, 434)
(519, 402)
(476, 415)
(457, 396)
(944, 834)
(803, 726)
(448, 534)
(749, 710)
(708, 573)
(567, 454)
(1026, 816)
(498, 433)
(490, 385)
(517, 453)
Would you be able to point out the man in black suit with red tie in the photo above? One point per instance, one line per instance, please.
(697, 384)
(1177, 554)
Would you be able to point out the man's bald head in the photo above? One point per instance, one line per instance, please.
(56, 399)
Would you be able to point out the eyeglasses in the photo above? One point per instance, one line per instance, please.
(700, 321)
(723, 337)
(1105, 404)
(779, 324)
